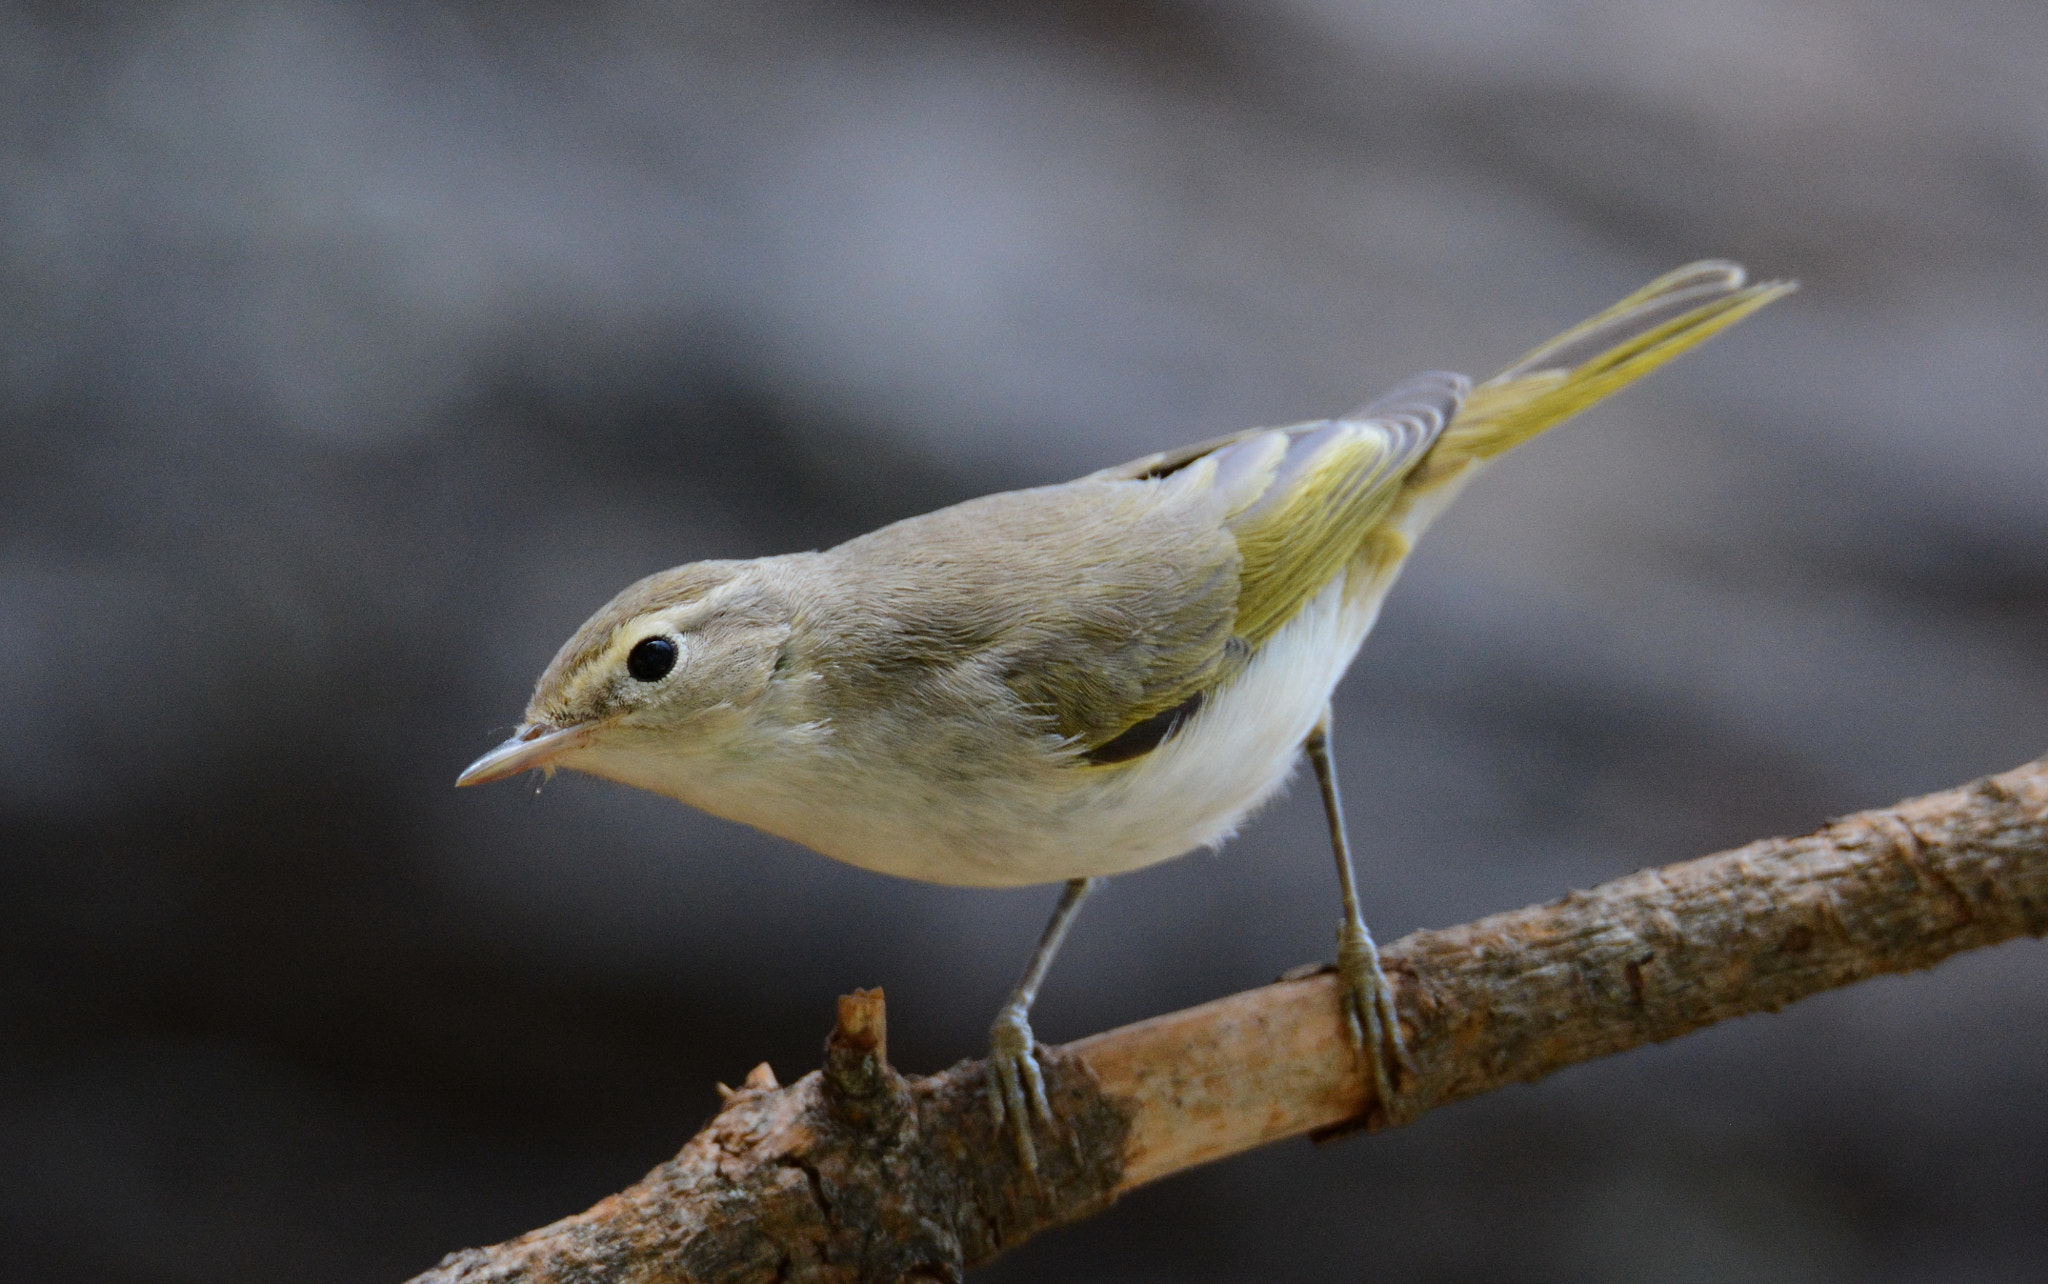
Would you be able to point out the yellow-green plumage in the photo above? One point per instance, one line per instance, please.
(1601, 355)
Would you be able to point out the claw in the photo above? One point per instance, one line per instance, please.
(1369, 1014)
(1017, 1087)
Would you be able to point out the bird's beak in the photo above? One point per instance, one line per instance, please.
(536, 745)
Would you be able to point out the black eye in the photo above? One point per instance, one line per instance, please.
(651, 659)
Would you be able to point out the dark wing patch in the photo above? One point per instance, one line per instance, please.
(1166, 463)
(1146, 736)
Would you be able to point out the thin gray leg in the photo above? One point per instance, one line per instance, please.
(1011, 1058)
(1369, 1013)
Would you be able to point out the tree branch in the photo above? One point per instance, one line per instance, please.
(858, 1173)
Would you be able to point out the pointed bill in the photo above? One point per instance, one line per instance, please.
(534, 746)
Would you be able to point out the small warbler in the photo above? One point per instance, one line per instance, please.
(1072, 681)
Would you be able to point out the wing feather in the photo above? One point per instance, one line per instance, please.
(1336, 482)
(1295, 505)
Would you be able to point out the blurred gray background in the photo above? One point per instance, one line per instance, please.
(353, 354)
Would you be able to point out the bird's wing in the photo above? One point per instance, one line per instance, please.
(1318, 491)
(1287, 509)
(1302, 499)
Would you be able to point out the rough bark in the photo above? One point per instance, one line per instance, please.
(856, 1173)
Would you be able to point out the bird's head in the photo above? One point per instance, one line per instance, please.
(669, 667)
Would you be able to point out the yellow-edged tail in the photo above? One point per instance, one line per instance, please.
(1599, 356)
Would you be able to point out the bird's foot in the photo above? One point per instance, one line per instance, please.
(1016, 1089)
(1369, 1015)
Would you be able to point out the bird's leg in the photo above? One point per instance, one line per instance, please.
(1368, 1000)
(1017, 1089)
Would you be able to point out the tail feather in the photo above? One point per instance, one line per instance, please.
(1672, 314)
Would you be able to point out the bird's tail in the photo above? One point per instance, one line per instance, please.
(1597, 357)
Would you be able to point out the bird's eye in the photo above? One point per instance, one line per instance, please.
(651, 659)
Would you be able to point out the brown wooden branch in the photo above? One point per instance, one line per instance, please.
(856, 1173)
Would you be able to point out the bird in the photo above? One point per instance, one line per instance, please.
(1070, 682)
